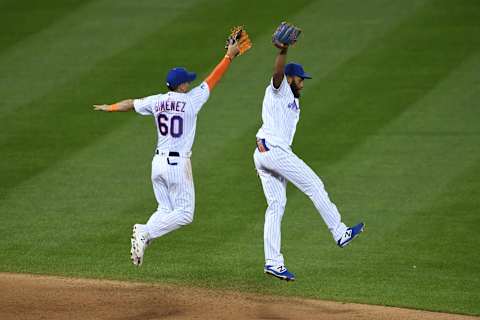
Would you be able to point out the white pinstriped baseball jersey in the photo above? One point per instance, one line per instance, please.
(175, 116)
(280, 115)
(276, 164)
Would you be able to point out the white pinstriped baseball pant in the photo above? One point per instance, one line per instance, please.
(275, 168)
(175, 194)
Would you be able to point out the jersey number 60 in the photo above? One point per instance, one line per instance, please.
(176, 125)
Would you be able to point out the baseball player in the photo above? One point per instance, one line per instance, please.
(175, 114)
(276, 163)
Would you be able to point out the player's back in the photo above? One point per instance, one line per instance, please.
(175, 117)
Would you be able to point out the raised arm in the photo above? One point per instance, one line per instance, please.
(279, 69)
(222, 66)
(284, 36)
(237, 43)
(122, 106)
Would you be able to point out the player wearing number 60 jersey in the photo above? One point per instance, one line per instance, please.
(175, 114)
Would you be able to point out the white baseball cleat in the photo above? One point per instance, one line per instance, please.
(139, 241)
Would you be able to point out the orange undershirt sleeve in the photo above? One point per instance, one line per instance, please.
(218, 72)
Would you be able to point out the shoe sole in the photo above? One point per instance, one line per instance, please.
(277, 276)
(134, 256)
(136, 260)
(347, 243)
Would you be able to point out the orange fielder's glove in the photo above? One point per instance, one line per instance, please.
(240, 35)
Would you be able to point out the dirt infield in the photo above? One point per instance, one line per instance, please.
(43, 297)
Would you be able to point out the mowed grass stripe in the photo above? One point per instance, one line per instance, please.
(418, 153)
(18, 24)
(421, 256)
(74, 44)
(439, 192)
(388, 77)
(443, 259)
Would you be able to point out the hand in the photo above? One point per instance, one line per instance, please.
(282, 46)
(100, 107)
(233, 50)
(238, 42)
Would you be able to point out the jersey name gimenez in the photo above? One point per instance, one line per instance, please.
(175, 116)
(280, 115)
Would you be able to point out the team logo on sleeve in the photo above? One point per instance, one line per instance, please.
(293, 106)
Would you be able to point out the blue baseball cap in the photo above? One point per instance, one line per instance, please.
(296, 69)
(179, 75)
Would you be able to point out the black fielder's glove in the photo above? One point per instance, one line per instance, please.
(285, 35)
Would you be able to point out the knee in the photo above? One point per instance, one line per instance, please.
(186, 218)
(276, 207)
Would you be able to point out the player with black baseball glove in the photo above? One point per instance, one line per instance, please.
(277, 164)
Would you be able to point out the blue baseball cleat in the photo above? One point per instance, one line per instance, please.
(350, 234)
(280, 272)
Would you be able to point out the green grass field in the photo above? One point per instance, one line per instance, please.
(391, 122)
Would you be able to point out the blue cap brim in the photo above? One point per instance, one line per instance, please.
(191, 76)
(305, 76)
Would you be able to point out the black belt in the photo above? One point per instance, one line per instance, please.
(170, 154)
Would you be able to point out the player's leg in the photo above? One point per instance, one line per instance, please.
(160, 190)
(304, 178)
(275, 190)
(180, 192)
(165, 206)
(143, 234)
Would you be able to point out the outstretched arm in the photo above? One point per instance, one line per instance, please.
(125, 105)
(222, 67)
(279, 69)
